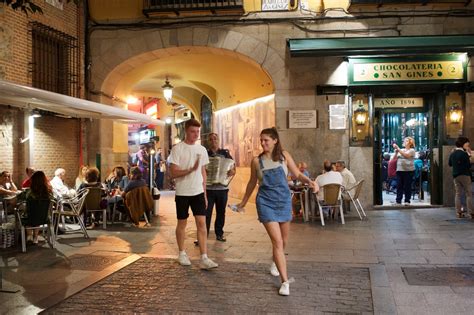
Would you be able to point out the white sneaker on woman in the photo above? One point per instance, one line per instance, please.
(285, 287)
(207, 263)
(183, 259)
(274, 270)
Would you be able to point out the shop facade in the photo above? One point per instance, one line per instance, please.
(318, 84)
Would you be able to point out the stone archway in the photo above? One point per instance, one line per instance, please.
(115, 53)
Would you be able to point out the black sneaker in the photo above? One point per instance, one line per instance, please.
(221, 238)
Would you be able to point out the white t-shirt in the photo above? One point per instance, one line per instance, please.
(331, 177)
(184, 156)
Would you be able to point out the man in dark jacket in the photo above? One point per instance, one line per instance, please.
(459, 160)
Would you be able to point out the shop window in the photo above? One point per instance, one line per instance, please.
(54, 62)
(360, 111)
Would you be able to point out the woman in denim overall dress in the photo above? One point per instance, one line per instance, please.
(273, 202)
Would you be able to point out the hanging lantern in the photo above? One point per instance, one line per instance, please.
(167, 91)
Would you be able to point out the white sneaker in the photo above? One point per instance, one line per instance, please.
(285, 287)
(274, 270)
(183, 259)
(207, 263)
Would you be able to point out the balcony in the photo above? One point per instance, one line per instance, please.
(153, 8)
(380, 3)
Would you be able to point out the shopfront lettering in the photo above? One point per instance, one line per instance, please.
(275, 5)
(407, 71)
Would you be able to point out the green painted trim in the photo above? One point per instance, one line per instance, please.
(418, 58)
(380, 45)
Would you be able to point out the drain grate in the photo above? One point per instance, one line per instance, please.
(90, 262)
(439, 276)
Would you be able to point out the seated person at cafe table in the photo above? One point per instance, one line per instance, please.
(328, 177)
(8, 190)
(137, 196)
(91, 181)
(27, 181)
(59, 188)
(7, 186)
(116, 183)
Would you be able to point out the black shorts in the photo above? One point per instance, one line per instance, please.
(197, 204)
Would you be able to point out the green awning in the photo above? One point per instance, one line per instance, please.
(370, 46)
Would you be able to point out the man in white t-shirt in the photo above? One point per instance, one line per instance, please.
(329, 177)
(188, 161)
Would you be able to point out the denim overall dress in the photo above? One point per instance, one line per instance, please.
(273, 197)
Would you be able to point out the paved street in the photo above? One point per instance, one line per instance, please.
(356, 268)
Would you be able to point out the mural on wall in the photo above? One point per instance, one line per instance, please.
(239, 127)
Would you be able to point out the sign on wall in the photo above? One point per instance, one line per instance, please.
(337, 116)
(302, 119)
(401, 102)
(275, 5)
(445, 68)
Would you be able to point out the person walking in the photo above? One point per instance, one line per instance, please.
(273, 202)
(405, 169)
(459, 160)
(187, 167)
(217, 193)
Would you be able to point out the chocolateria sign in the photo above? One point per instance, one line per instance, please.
(446, 68)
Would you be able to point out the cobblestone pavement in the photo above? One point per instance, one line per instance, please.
(152, 285)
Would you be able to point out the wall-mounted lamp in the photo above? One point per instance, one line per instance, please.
(35, 114)
(360, 114)
(167, 91)
(168, 120)
(455, 114)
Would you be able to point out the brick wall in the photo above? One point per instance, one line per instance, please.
(15, 50)
(11, 151)
(57, 139)
(56, 145)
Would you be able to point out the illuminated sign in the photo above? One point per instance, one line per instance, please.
(450, 68)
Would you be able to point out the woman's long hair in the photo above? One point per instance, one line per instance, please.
(120, 171)
(80, 175)
(277, 153)
(40, 187)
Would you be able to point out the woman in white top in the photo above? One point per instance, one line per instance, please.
(405, 169)
(81, 177)
(273, 202)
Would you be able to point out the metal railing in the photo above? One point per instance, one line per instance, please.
(176, 6)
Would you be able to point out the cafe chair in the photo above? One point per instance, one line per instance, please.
(71, 207)
(39, 217)
(332, 201)
(352, 194)
(93, 203)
